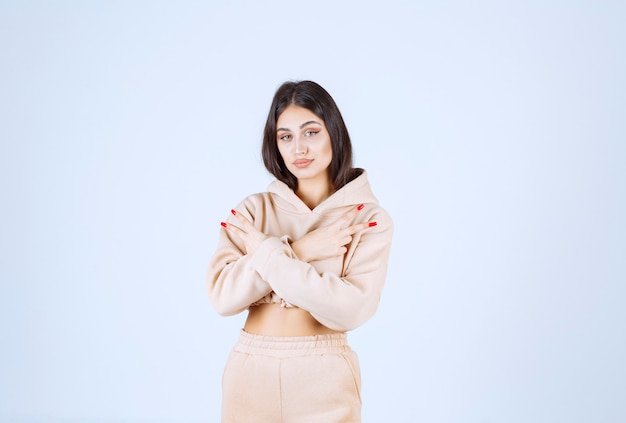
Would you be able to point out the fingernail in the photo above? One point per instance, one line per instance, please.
(233, 212)
(223, 224)
(360, 207)
(372, 224)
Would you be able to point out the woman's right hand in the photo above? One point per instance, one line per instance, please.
(251, 236)
(329, 241)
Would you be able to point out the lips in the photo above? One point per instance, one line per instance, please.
(302, 163)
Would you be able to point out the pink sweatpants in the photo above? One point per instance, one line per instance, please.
(291, 380)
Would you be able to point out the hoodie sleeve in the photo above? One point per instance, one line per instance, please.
(232, 283)
(340, 303)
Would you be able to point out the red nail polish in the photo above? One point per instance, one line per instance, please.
(233, 212)
(223, 224)
(372, 224)
(360, 206)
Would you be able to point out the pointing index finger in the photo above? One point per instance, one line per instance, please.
(354, 211)
(243, 219)
(349, 215)
(351, 230)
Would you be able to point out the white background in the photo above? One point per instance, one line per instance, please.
(492, 132)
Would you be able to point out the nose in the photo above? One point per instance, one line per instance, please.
(301, 146)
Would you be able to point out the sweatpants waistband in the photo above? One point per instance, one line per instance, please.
(291, 346)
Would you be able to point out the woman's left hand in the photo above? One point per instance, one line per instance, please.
(250, 235)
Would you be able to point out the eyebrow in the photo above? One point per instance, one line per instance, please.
(301, 126)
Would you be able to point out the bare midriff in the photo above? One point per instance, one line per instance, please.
(275, 320)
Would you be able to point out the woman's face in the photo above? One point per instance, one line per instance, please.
(304, 144)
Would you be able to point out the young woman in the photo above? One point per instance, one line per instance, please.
(308, 260)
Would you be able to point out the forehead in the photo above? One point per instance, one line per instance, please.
(294, 116)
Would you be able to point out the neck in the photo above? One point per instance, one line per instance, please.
(312, 194)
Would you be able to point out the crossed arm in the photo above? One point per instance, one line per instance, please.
(320, 244)
(341, 302)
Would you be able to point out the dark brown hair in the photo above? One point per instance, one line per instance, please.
(313, 97)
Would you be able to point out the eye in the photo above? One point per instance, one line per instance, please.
(285, 137)
(310, 133)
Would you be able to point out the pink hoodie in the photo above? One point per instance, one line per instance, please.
(341, 293)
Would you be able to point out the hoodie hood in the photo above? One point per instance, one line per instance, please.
(355, 192)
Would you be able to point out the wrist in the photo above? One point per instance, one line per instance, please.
(295, 247)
